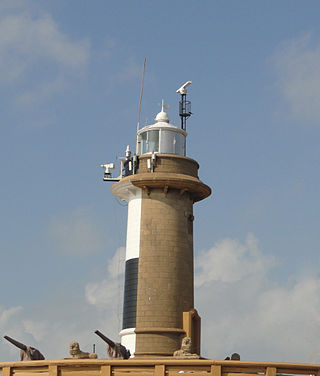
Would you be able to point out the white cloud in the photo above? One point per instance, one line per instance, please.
(37, 329)
(105, 292)
(77, 233)
(244, 311)
(53, 335)
(298, 68)
(116, 265)
(61, 319)
(42, 91)
(231, 261)
(7, 314)
(131, 70)
(6, 5)
(10, 324)
(36, 54)
(24, 39)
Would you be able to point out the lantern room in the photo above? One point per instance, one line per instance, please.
(161, 137)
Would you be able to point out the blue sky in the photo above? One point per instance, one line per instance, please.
(70, 77)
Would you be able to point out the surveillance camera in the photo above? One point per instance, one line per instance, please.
(107, 167)
(183, 88)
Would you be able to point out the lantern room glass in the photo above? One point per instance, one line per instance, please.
(165, 141)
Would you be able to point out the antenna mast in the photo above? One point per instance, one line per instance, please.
(141, 93)
(184, 105)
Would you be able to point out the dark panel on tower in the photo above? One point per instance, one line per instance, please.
(130, 294)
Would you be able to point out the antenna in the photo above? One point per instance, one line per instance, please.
(184, 105)
(141, 93)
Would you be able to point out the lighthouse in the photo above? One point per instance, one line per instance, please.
(160, 184)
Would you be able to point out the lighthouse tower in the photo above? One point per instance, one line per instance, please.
(160, 184)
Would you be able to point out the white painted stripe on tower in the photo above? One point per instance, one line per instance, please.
(133, 225)
(128, 339)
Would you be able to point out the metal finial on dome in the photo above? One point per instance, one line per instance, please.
(164, 106)
(162, 116)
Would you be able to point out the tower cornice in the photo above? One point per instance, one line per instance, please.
(168, 172)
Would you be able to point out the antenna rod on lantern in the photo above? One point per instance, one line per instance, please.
(141, 93)
(184, 105)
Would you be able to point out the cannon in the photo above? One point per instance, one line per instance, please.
(26, 352)
(114, 350)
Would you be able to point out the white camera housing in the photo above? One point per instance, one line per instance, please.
(183, 89)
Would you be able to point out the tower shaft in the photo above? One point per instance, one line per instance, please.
(165, 285)
(159, 253)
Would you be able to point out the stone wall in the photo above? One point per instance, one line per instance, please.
(165, 285)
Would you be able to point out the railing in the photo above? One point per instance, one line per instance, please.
(156, 367)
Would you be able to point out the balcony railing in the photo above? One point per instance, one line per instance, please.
(156, 367)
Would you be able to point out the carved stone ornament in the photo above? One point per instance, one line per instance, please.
(76, 353)
(185, 351)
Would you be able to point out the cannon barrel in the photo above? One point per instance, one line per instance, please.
(21, 346)
(106, 339)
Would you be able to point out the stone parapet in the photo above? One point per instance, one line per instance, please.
(169, 163)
